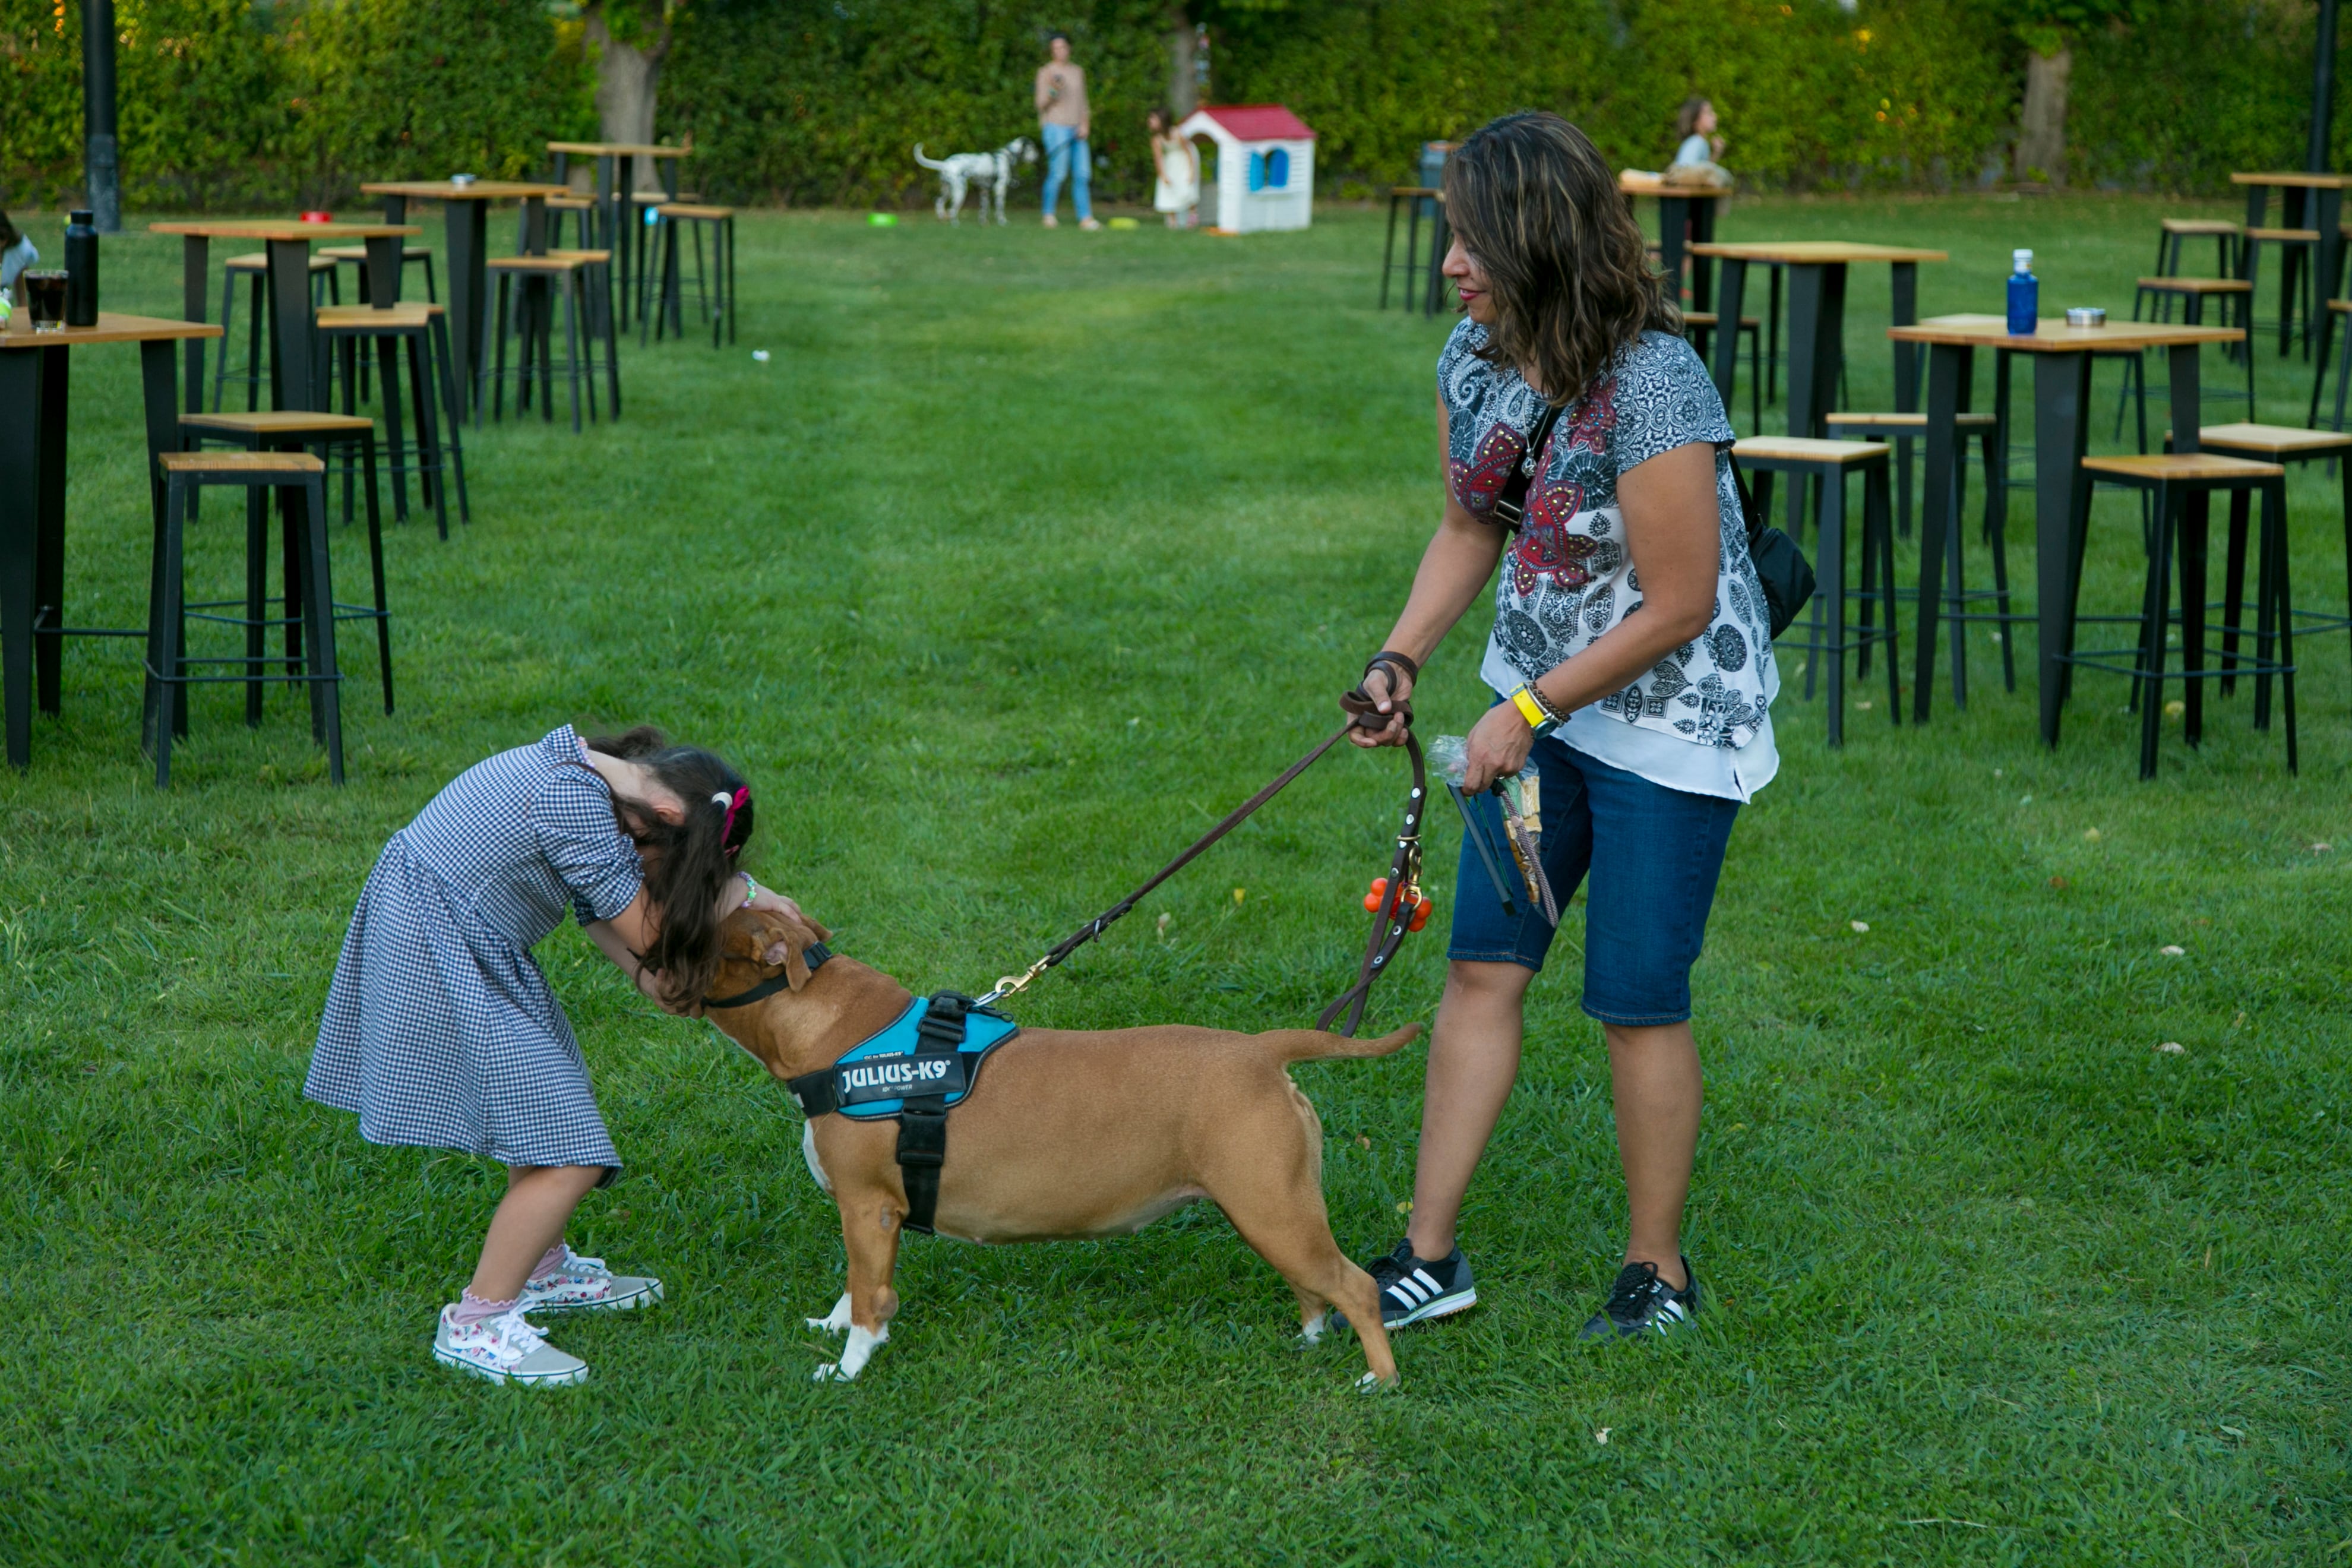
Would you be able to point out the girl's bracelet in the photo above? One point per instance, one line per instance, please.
(750, 888)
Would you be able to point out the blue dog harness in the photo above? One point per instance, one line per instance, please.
(916, 1070)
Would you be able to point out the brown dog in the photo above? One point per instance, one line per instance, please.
(1067, 1134)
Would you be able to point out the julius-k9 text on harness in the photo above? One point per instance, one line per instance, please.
(917, 1070)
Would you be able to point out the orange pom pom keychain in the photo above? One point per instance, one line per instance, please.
(1413, 901)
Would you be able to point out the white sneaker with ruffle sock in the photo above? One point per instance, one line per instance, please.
(505, 1349)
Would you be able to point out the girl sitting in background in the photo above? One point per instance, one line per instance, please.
(1695, 140)
(17, 253)
(440, 1029)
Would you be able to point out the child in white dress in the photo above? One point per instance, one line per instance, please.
(1177, 164)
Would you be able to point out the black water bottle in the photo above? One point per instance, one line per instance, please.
(81, 271)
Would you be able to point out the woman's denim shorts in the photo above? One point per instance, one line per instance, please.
(1653, 854)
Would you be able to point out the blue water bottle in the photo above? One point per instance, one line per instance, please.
(2024, 297)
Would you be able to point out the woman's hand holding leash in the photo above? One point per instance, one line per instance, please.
(1387, 684)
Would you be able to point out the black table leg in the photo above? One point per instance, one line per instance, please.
(292, 348)
(2061, 387)
(195, 252)
(469, 292)
(49, 539)
(1674, 223)
(1945, 363)
(1726, 340)
(2329, 260)
(20, 505)
(387, 257)
(2195, 522)
(2184, 360)
(1906, 387)
(162, 410)
(1816, 341)
(1701, 228)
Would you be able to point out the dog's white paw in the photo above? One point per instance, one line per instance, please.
(1311, 1332)
(854, 1355)
(837, 1320)
(1370, 1383)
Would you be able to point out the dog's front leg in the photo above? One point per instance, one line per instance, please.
(869, 1231)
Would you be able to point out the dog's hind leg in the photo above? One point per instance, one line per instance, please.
(1271, 1189)
(870, 1230)
(835, 1321)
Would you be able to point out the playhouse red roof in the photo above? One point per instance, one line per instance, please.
(1260, 122)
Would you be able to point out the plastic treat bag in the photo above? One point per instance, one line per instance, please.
(1521, 794)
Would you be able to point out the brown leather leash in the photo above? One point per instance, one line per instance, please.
(1391, 921)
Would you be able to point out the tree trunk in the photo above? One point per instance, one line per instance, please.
(627, 78)
(2042, 123)
(1184, 84)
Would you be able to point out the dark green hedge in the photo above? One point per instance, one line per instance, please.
(274, 103)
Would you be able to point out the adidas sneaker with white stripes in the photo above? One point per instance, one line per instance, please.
(1415, 1290)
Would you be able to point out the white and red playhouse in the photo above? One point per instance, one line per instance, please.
(1266, 165)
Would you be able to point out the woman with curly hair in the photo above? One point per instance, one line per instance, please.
(1632, 668)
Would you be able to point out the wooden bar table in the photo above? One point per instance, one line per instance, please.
(612, 193)
(34, 409)
(1817, 278)
(294, 382)
(1681, 206)
(2298, 194)
(2062, 392)
(467, 209)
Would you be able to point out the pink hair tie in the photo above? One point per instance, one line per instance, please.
(733, 804)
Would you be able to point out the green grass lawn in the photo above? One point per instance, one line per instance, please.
(1021, 559)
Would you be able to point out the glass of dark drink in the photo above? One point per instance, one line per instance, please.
(44, 297)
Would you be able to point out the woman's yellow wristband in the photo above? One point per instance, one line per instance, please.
(1540, 718)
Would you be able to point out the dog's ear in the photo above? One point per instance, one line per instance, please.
(770, 940)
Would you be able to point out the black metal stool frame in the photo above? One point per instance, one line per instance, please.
(1828, 624)
(436, 459)
(168, 660)
(2183, 512)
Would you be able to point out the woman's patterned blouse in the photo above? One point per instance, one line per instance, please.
(1568, 578)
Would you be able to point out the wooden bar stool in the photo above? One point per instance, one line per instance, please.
(1828, 464)
(255, 269)
(2235, 293)
(298, 480)
(438, 453)
(293, 431)
(2175, 232)
(2183, 485)
(1958, 598)
(714, 285)
(1699, 327)
(356, 256)
(581, 209)
(603, 324)
(541, 277)
(2280, 444)
(2295, 247)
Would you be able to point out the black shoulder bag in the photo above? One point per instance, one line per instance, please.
(1786, 576)
(1780, 567)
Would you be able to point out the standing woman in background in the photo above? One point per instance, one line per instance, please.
(1648, 729)
(1064, 120)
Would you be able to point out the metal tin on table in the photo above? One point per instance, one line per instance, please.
(2086, 316)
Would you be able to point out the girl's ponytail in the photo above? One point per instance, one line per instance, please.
(686, 862)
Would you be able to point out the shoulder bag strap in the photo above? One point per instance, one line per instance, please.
(1511, 504)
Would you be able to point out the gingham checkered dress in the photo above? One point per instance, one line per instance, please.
(439, 1028)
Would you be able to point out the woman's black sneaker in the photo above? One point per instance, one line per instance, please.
(1642, 1303)
(1414, 1289)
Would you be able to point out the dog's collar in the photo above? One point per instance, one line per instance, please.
(815, 954)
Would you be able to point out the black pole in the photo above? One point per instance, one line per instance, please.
(2323, 90)
(103, 172)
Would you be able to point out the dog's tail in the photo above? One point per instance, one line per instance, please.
(926, 162)
(1321, 1045)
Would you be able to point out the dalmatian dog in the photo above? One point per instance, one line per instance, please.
(987, 171)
